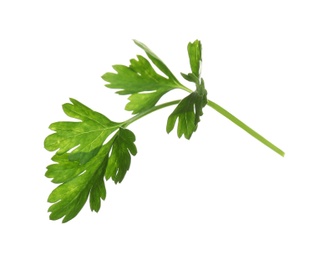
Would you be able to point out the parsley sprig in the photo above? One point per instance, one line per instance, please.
(84, 156)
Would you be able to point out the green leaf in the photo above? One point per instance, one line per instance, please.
(120, 158)
(195, 55)
(79, 180)
(85, 136)
(82, 180)
(188, 113)
(140, 80)
(190, 109)
(81, 172)
(157, 61)
(190, 77)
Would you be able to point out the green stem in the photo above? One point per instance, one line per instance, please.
(140, 115)
(239, 123)
(220, 110)
(184, 88)
(246, 128)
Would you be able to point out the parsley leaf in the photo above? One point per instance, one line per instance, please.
(87, 136)
(158, 62)
(80, 180)
(195, 55)
(142, 81)
(120, 159)
(81, 172)
(188, 113)
(190, 109)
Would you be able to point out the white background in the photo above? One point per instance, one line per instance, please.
(221, 195)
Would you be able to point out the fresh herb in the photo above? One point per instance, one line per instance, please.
(85, 157)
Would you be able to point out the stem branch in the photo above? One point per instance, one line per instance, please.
(140, 115)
